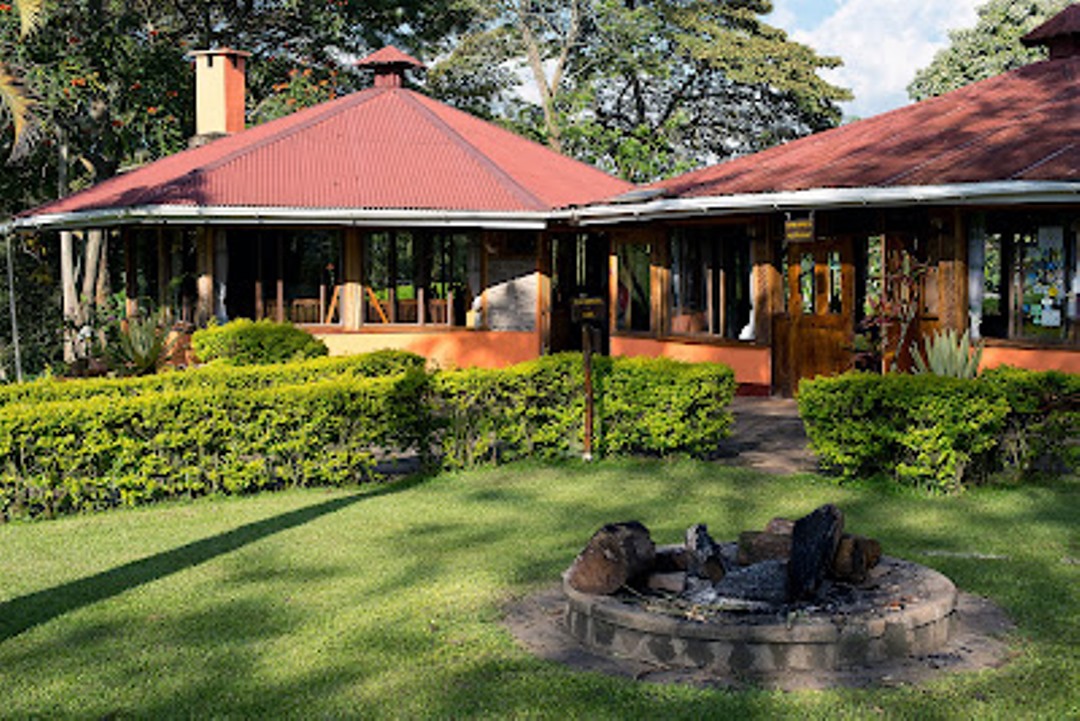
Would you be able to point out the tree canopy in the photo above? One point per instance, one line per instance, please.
(644, 88)
(990, 48)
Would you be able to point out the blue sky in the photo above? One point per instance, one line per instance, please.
(882, 42)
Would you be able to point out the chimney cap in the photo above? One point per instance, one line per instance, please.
(221, 51)
(1061, 34)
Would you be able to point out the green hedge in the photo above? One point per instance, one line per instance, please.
(650, 406)
(248, 342)
(940, 433)
(84, 445)
(368, 365)
(70, 456)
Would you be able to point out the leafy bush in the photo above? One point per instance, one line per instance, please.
(938, 432)
(83, 445)
(537, 408)
(71, 456)
(1042, 431)
(367, 365)
(247, 342)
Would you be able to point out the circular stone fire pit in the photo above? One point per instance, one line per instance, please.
(901, 610)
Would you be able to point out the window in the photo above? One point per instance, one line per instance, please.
(1024, 277)
(711, 283)
(634, 297)
(416, 277)
(312, 264)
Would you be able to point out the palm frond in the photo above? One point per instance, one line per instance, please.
(30, 15)
(14, 97)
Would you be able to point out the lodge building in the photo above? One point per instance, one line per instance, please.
(387, 219)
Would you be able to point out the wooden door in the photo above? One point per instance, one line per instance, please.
(821, 309)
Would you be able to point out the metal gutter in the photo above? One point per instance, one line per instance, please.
(1019, 192)
(195, 215)
(972, 194)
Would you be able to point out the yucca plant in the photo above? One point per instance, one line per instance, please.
(948, 354)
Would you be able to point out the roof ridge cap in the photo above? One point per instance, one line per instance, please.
(487, 163)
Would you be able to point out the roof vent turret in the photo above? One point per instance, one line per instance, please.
(389, 65)
(1060, 33)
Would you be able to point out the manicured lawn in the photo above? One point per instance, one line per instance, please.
(385, 602)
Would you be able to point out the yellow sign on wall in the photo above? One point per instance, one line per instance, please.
(800, 230)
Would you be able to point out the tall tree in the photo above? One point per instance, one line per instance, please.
(990, 48)
(648, 88)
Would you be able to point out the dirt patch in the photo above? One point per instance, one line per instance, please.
(538, 624)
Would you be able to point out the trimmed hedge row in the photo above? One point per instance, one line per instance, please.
(942, 433)
(70, 456)
(215, 376)
(73, 446)
(642, 405)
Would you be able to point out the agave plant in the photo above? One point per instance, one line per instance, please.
(948, 354)
(142, 345)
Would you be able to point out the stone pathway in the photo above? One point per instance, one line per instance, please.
(768, 436)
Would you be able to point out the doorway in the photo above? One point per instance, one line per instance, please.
(815, 335)
(579, 269)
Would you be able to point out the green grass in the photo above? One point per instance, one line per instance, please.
(385, 602)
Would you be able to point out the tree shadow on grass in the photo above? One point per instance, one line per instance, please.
(25, 612)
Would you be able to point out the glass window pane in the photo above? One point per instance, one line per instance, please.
(836, 283)
(785, 281)
(311, 263)
(1043, 280)
(634, 298)
(405, 277)
(806, 283)
(447, 295)
(378, 257)
(738, 303)
(692, 277)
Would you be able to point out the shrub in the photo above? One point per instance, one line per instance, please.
(537, 408)
(247, 342)
(84, 445)
(938, 432)
(1043, 426)
(367, 365)
(71, 456)
(661, 406)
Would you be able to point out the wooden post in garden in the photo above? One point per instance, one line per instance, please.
(591, 313)
(586, 347)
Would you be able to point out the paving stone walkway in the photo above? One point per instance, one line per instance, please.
(768, 436)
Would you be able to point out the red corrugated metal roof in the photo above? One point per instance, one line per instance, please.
(1022, 125)
(1066, 22)
(382, 148)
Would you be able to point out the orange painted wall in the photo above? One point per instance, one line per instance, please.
(752, 364)
(449, 349)
(1042, 359)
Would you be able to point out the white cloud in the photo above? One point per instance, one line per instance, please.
(882, 42)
